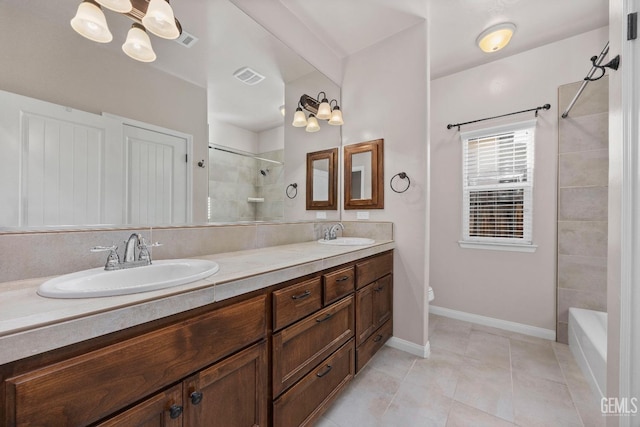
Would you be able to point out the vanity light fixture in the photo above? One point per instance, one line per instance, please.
(155, 16)
(495, 37)
(319, 108)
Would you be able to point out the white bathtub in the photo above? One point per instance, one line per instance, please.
(588, 343)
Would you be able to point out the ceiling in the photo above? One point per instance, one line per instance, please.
(229, 39)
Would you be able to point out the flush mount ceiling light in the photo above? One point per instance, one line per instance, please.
(320, 108)
(155, 16)
(495, 37)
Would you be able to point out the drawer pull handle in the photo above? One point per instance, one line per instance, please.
(342, 279)
(326, 317)
(175, 411)
(377, 338)
(378, 289)
(196, 397)
(322, 374)
(302, 295)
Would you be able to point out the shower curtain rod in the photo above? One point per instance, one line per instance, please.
(544, 107)
(253, 156)
(594, 68)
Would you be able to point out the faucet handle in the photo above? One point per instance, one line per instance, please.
(143, 248)
(113, 260)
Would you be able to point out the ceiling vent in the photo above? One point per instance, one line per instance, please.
(185, 39)
(248, 76)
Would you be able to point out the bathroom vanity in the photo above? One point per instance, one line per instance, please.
(271, 348)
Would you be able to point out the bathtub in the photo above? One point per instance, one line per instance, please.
(588, 343)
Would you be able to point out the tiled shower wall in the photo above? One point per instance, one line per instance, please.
(233, 179)
(583, 168)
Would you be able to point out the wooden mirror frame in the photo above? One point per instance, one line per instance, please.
(376, 147)
(332, 202)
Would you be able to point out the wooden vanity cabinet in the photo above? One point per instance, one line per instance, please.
(87, 388)
(374, 306)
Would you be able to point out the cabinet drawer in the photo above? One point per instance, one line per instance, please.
(373, 344)
(84, 389)
(338, 284)
(295, 302)
(373, 269)
(300, 347)
(304, 403)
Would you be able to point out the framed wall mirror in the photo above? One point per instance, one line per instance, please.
(364, 175)
(322, 180)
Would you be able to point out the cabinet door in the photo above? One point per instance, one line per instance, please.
(373, 307)
(162, 410)
(232, 393)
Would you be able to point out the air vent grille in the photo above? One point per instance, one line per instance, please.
(248, 76)
(186, 39)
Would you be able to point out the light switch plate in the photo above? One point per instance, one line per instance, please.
(321, 215)
(362, 215)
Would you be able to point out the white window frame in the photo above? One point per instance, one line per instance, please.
(524, 243)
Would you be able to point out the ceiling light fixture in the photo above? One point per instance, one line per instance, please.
(495, 37)
(155, 16)
(319, 108)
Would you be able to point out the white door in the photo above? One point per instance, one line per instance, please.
(157, 184)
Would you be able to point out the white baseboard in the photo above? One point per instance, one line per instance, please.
(410, 347)
(534, 331)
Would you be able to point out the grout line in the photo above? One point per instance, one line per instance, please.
(569, 388)
(399, 385)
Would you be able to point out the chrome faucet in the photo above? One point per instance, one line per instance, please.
(330, 234)
(129, 259)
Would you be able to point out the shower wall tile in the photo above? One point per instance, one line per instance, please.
(583, 204)
(584, 133)
(582, 273)
(562, 332)
(586, 238)
(580, 299)
(594, 99)
(583, 168)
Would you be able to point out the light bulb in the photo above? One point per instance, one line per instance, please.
(496, 37)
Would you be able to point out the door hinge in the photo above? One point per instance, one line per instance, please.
(632, 26)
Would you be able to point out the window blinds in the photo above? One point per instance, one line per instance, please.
(498, 183)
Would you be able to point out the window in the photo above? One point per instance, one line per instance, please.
(498, 184)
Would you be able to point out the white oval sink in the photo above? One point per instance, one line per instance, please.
(97, 282)
(347, 241)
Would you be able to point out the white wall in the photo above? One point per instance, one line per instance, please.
(222, 133)
(518, 287)
(271, 140)
(385, 93)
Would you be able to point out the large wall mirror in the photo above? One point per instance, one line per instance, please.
(322, 180)
(364, 175)
(243, 153)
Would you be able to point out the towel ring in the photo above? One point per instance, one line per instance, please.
(401, 175)
(294, 190)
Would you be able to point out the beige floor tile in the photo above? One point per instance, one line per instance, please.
(441, 371)
(455, 341)
(365, 400)
(417, 405)
(511, 335)
(452, 325)
(591, 415)
(489, 348)
(462, 415)
(486, 387)
(541, 402)
(325, 422)
(393, 362)
(535, 360)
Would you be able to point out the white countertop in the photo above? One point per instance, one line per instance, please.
(31, 324)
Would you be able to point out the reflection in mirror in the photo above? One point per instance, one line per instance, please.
(363, 175)
(190, 90)
(322, 177)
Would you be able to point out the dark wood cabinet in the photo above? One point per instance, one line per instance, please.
(161, 410)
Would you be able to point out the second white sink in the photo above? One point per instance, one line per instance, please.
(97, 282)
(347, 241)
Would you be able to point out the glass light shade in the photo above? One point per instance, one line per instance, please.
(336, 117)
(282, 110)
(495, 38)
(312, 124)
(120, 6)
(324, 110)
(160, 20)
(138, 45)
(299, 119)
(90, 22)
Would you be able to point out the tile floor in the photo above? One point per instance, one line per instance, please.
(476, 376)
